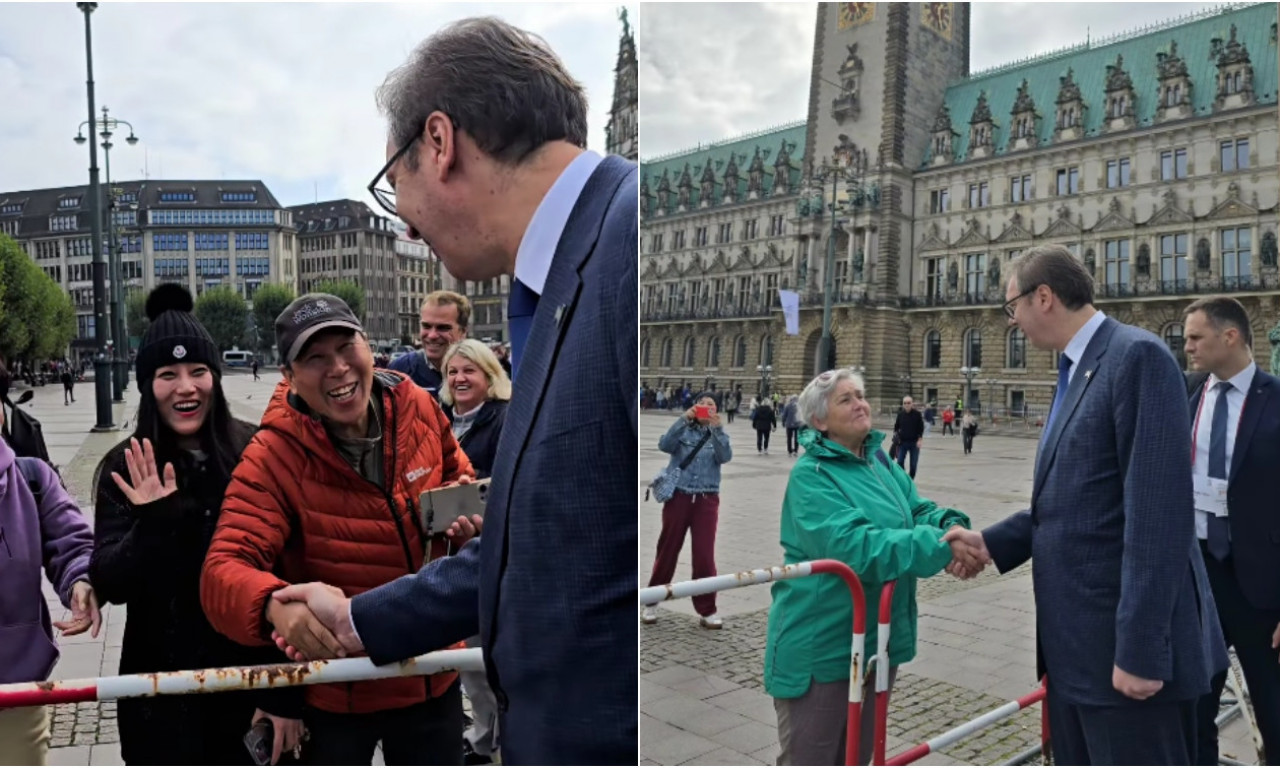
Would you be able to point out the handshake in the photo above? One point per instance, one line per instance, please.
(969, 553)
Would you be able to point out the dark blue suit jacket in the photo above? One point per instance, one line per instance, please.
(1252, 511)
(551, 584)
(1118, 576)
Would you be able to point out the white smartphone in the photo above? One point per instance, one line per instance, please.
(439, 507)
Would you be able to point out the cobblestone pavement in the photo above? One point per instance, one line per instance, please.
(702, 697)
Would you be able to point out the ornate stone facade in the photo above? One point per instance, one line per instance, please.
(1151, 156)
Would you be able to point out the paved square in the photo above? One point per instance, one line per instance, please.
(976, 639)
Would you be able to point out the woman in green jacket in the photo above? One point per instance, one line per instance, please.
(843, 503)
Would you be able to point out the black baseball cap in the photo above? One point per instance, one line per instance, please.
(308, 315)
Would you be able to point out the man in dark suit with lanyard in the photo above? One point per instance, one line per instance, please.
(487, 160)
(1235, 440)
(1126, 629)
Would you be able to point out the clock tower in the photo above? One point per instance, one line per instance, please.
(880, 72)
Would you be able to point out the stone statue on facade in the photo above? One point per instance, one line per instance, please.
(859, 260)
(1203, 258)
(1274, 337)
(953, 276)
(1091, 261)
(1144, 260)
(664, 192)
(1268, 252)
(993, 274)
(707, 187)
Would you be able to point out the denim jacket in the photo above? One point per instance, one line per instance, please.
(703, 473)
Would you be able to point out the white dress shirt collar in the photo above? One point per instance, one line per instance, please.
(542, 236)
(1080, 342)
(1239, 383)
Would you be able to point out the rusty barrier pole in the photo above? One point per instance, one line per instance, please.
(966, 730)
(857, 671)
(233, 678)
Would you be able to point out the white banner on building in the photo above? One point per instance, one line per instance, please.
(790, 301)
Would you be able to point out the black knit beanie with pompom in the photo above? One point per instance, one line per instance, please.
(175, 335)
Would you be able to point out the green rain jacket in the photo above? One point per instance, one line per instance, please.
(866, 515)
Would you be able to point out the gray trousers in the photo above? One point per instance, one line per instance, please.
(811, 728)
(483, 733)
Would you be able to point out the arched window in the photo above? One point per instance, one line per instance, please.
(766, 350)
(973, 348)
(1016, 356)
(644, 354)
(1173, 337)
(740, 352)
(713, 352)
(933, 349)
(688, 352)
(666, 353)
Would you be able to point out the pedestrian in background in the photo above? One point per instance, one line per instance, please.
(792, 423)
(930, 416)
(908, 428)
(948, 422)
(68, 385)
(968, 430)
(765, 420)
(695, 506)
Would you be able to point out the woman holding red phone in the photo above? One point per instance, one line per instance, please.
(699, 445)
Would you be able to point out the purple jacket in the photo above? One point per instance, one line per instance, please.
(55, 537)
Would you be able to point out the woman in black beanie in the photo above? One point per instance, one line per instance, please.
(159, 494)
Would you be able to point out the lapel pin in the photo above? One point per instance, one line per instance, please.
(559, 314)
(1088, 375)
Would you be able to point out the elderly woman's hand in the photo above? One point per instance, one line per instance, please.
(84, 612)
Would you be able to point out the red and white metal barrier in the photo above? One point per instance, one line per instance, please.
(973, 726)
(857, 669)
(234, 678)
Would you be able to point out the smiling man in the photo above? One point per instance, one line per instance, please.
(445, 316)
(486, 161)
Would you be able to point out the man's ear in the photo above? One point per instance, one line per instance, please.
(440, 142)
(287, 372)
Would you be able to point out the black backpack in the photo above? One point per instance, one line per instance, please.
(23, 431)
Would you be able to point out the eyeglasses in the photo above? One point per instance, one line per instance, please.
(1011, 303)
(386, 196)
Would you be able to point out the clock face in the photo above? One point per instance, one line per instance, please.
(854, 14)
(937, 17)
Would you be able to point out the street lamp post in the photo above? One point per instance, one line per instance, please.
(120, 362)
(991, 387)
(835, 172)
(905, 378)
(766, 379)
(969, 374)
(101, 367)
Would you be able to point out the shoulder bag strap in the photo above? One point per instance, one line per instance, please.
(689, 459)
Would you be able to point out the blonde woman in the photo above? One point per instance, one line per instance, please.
(478, 388)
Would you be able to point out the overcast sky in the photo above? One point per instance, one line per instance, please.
(277, 92)
(713, 71)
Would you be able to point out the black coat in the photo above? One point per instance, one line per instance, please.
(765, 418)
(150, 558)
(480, 443)
(909, 426)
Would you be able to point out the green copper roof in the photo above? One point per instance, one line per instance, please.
(742, 151)
(1255, 29)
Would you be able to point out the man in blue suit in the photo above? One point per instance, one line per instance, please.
(1127, 631)
(486, 157)
(1235, 439)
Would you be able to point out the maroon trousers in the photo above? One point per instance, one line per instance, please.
(684, 513)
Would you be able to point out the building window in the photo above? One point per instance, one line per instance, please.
(239, 197)
(973, 348)
(699, 237)
(749, 229)
(935, 275)
(1117, 173)
(9, 209)
(666, 353)
(1017, 404)
(777, 225)
(979, 195)
(69, 202)
(644, 354)
(975, 274)
(939, 201)
(1234, 154)
(766, 350)
(1173, 261)
(1235, 256)
(62, 223)
(1020, 189)
(740, 352)
(1068, 181)
(1116, 261)
(655, 243)
(713, 352)
(933, 349)
(177, 197)
(1173, 338)
(1017, 353)
(1173, 164)
(677, 240)
(725, 233)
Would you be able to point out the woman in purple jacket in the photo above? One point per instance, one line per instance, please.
(40, 527)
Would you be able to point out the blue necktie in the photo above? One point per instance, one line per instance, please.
(1064, 380)
(1219, 536)
(521, 306)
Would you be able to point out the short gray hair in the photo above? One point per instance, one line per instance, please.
(503, 85)
(813, 400)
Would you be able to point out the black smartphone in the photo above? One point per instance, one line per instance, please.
(259, 741)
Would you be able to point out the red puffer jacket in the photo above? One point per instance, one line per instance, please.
(296, 508)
